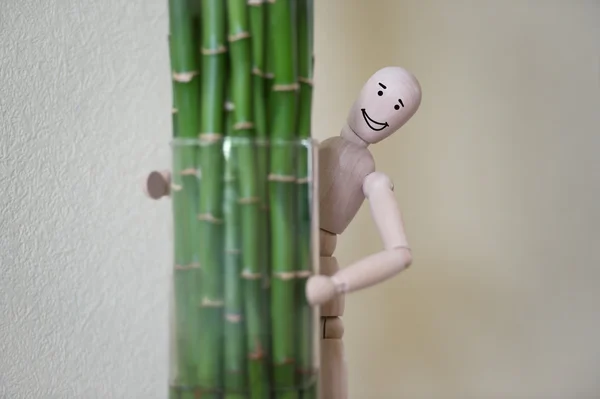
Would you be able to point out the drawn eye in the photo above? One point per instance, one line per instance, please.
(380, 93)
(396, 107)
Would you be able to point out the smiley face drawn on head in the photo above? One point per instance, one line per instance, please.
(372, 123)
(388, 99)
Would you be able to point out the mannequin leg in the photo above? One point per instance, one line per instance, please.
(334, 379)
(334, 383)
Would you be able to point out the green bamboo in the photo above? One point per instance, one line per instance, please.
(184, 63)
(259, 103)
(184, 67)
(244, 151)
(282, 186)
(305, 366)
(186, 273)
(213, 51)
(235, 362)
(257, 29)
(268, 75)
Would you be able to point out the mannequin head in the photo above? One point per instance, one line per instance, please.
(386, 102)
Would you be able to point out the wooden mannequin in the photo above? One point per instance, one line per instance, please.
(347, 176)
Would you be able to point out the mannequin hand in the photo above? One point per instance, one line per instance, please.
(320, 289)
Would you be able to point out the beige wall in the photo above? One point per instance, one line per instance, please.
(498, 176)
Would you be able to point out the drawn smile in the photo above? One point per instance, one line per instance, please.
(373, 124)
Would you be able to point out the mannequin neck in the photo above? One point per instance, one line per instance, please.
(348, 134)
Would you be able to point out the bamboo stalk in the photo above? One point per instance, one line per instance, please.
(241, 81)
(268, 75)
(305, 365)
(282, 180)
(257, 30)
(235, 362)
(213, 50)
(259, 103)
(186, 272)
(223, 312)
(184, 67)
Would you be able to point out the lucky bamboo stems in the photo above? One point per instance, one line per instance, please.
(235, 348)
(184, 62)
(184, 69)
(282, 179)
(257, 35)
(241, 196)
(243, 127)
(257, 29)
(305, 362)
(213, 52)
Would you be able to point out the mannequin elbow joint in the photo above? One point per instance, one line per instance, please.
(405, 258)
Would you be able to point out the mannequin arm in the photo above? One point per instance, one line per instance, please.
(376, 268)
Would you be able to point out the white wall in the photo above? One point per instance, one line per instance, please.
(84, 98)
(497, 177)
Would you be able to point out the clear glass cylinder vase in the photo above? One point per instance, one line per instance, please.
(245, 230)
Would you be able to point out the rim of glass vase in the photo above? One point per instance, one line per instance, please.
(257, 141)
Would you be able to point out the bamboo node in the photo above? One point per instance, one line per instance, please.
(214, 51)
(288, 87)
(211, 303)
(269, 75)
(305, 371)
(233, 251)
(188, 172)
(184, 77)
(176, 187)
(239, 36)
(229, 106)
(233, 317)
(306, 81)
(261, 142)
(303, 180)
(285, 275)
(258, 353)
(187, 267)
(256, 71)
(209, 217)
(251, 276)
(243, 126)
(282, 178)
(210, 137)
(303, 274)
(271, 1)
(255, 3)
(174, 110)
(289, 360)
(248, 201)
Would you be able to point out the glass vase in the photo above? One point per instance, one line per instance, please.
(245, 231)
